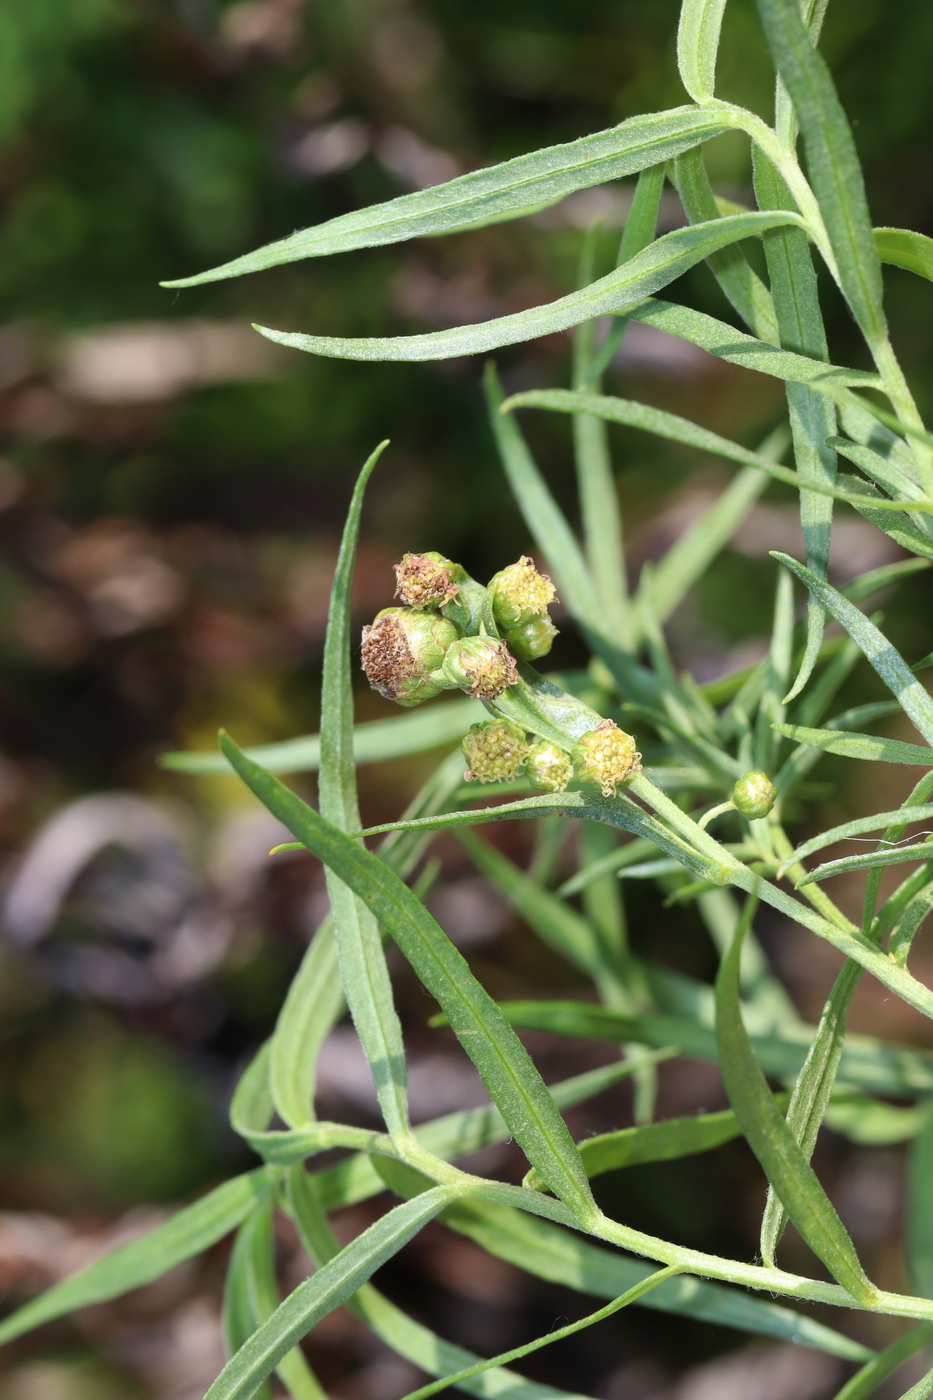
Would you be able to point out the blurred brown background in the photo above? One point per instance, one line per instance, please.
(171, 492)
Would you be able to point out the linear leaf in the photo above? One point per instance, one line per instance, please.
(867, 1380)
(640, 229)
(363, 969)
(872, 860)
(737, 348)
(373, 742)
(399, 1331)
(258, 1262)
(870, 1064)
(771, 1140)
(874, 646)
(656, 266)
(865, 746)
(505, 1066)
(324, 1291)
(922, 1390)
(238, 1314)
(508, 190)
(812, 415)
(740, 283)
(697, 45)
(184, 1234)
(857, 827)
(835, 171)
(903, 248)
(560, 1257)
(677, 429)
(918, 1232)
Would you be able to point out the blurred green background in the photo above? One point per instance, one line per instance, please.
(171, 488)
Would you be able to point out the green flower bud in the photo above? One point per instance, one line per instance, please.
(549, 769)
(425, 580)
(401, 649)
(520, 593)
(605, 757)
(480, 665)
(494, 750)
(533, 639)
(754, 795)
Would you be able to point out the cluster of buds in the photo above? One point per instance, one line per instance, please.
(438, 640)
(520, 600)
(497, 751)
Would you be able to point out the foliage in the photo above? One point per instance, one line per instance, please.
(698, 742)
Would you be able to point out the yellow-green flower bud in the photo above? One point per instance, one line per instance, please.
(425, 580)
(481, 666)
(533, 639)
(520, 593)
(549, 769)
(494, 750)
(605, 757)
(401, 649)
(754, 795)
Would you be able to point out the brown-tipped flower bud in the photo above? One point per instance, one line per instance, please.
(605, 757)
(520, 593)
(494, 750)
(401, 649)
(754, 795)
(425, 580)
(480, 665)
(548, 768)
(533, 639)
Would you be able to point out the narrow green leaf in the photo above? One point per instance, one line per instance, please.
(874, 646)
(640, 229)
(633, 1295)
(186, 1233)
(922, 1390)
(865, 746)
(324, 1291)
(737, 348)
(903, 248)
(560, 1257)
(834, 168)
(873, 1065)
(697, 45)
(399, 1331)
(857, 827)
(812, 415)
(373, 742)
(505, 1066)
(238, 1314)
(677, 429)
(257, 1243)
(866, 1381)
(741, 285)
(363, 969)
(655, 267)
(508, 190)
(769, 1137)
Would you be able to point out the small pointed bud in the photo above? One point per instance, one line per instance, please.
(426, 580)
(548, 768)
(520, 593)
(605, 757)
(401, 649)
(533, 639)
(754, 795)
(481, 666)
(494, 750)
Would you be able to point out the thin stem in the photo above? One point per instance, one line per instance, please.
(898, 391)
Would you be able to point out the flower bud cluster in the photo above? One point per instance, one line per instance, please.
(520, 600)
(605, 757)
(497, 751)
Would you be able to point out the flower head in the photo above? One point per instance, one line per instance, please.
(532, 639)
(520, 593)
(425, 580)
(494, 750)
(605, 757)
(481, 666)
(400, 651)
(754, 794)
(548, 767)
